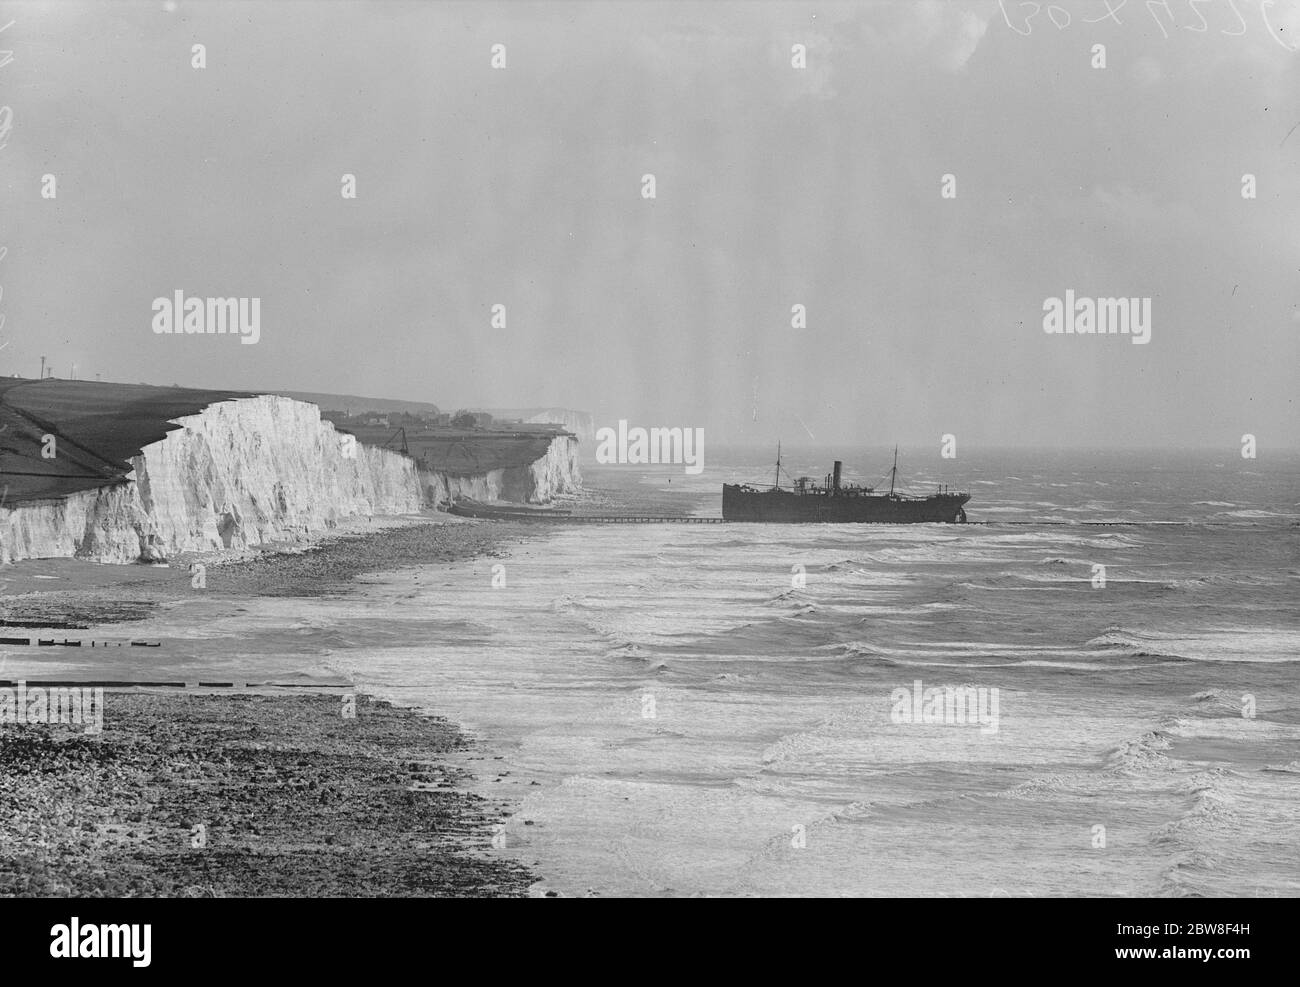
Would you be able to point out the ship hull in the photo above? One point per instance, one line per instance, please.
(784, 507)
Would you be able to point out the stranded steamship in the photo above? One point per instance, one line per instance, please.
(837, 502)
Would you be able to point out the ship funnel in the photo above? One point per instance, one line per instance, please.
(835, 481)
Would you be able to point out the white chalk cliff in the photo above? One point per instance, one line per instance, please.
(557, 472)
(249, 471)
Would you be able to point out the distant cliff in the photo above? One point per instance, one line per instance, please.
(580, 423)
(557, 471)
(250, 471)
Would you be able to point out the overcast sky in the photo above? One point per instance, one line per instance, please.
(775, 186)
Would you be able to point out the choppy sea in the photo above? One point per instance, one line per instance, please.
(682, 709)
(710, 709)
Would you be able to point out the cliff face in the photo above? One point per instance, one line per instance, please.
(239, 473)
(556, 472)
(249, 471)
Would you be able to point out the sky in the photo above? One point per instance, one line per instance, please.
(775, 186)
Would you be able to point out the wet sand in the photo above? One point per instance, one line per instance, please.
(64, 594)
(294, 798)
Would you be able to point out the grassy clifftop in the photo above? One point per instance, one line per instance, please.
(96, 428)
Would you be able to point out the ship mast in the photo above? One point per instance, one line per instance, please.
(894, 472)
(776, 480)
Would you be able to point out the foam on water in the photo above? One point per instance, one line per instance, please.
(709, 709)
(698, 723)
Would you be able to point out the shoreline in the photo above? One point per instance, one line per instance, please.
(189, 795)
(75, 594)
(295, 799)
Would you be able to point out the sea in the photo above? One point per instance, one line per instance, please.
(678, 709)
(700, 709)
